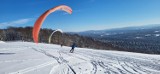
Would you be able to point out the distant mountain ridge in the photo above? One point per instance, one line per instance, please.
(118, 30)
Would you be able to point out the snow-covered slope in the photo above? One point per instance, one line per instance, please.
(31, 58)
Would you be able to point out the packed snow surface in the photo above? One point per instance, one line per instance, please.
(31, 58)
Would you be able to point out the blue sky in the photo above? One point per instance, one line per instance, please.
(87, 14)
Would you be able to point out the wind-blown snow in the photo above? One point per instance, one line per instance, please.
(31, 58)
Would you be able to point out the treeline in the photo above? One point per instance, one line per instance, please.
(130, 43)
(25, 34)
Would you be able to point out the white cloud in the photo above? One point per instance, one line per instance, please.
(16, 22)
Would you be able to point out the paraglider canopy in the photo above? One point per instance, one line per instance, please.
(41, 19)
(58, 30)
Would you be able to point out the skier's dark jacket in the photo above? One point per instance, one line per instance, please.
(73, 46)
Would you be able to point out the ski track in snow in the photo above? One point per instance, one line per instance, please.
(82, 61)
(59, 59)
(32, 68)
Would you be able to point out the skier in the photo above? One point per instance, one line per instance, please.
(73, 46)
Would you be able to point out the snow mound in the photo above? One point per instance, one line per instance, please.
(2, 42)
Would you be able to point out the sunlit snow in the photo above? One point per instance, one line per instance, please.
(31, 58)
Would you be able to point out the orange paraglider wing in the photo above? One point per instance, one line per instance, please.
(40, 20)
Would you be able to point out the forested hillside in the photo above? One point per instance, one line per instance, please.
(143, 39)
(25, 34)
